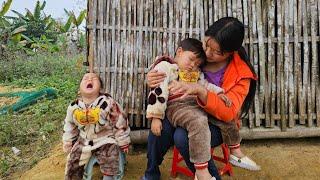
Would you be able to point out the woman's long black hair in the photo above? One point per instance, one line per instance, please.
(228, 32)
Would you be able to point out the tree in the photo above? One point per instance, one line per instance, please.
(37, 24)
(10, 33)
(77, 21)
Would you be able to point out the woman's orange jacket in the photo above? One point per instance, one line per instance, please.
(236, 83)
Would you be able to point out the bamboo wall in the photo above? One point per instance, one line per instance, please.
(282, 39)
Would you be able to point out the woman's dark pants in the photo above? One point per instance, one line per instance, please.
(159, 145)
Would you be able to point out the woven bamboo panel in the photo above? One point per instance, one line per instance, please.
(282, 40)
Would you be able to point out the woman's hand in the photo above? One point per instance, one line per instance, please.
(154, 78)
(156, 126)
(186, 89)
(178, 87)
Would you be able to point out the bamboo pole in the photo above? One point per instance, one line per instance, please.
(140, 76)
(249, 48)
(292, 62)
(118, 50)
(280, 82)
(263, 96)
(205, 15)
(125, 38)
(191, 18)
(90, 34)
(224, 10)
(165, 34)
(107, 44)
(94, 30)
(306, 80)
(318, 82)
(288, 84)
(113, 48)
(130, 80)
(228, 6)
(297, 58)
(234, 12)
(210, 12)
(251, 39)
(201, 20)
(135, 94)
(196, 10)
(271, 63)
(159, 25)
(151, 44)
(314, 58)
(99, 48)
(255, 62)
(170, 30)
(216, 11)
(145, 64)
(239, 13)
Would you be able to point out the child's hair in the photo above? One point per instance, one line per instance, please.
(228, 32)
(195, 46)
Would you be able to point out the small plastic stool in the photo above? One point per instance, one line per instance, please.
(93, 160)
(227, 168)
(177, 158)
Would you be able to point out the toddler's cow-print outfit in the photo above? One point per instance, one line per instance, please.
(182, 112)
(98, 129)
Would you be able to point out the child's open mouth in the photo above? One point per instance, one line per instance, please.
(89, 86)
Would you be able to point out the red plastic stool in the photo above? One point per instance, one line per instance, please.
(177, 158)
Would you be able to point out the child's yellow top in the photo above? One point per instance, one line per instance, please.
(87, 116)
(189, 76)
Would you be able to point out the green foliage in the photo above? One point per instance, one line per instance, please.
(38, 125)
(37, 24)
(34, 129)
(44, 44)
(10, 33)
(4, 166)
(65, 27)
(26, 30)
(5, 7)
(77, 21)
(34, 31)
(80, 18)
(27, 70)
(82, 42)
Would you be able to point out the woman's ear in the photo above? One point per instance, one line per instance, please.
(179, 51)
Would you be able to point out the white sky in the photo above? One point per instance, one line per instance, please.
(53, 7)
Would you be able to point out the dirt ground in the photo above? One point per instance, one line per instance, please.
(5, 101)
(279, 159)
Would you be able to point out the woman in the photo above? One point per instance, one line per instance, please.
(228, 66)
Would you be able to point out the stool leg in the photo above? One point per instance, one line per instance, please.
(175, 161)
(175, 168)
(227, 168)
(226, 154)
